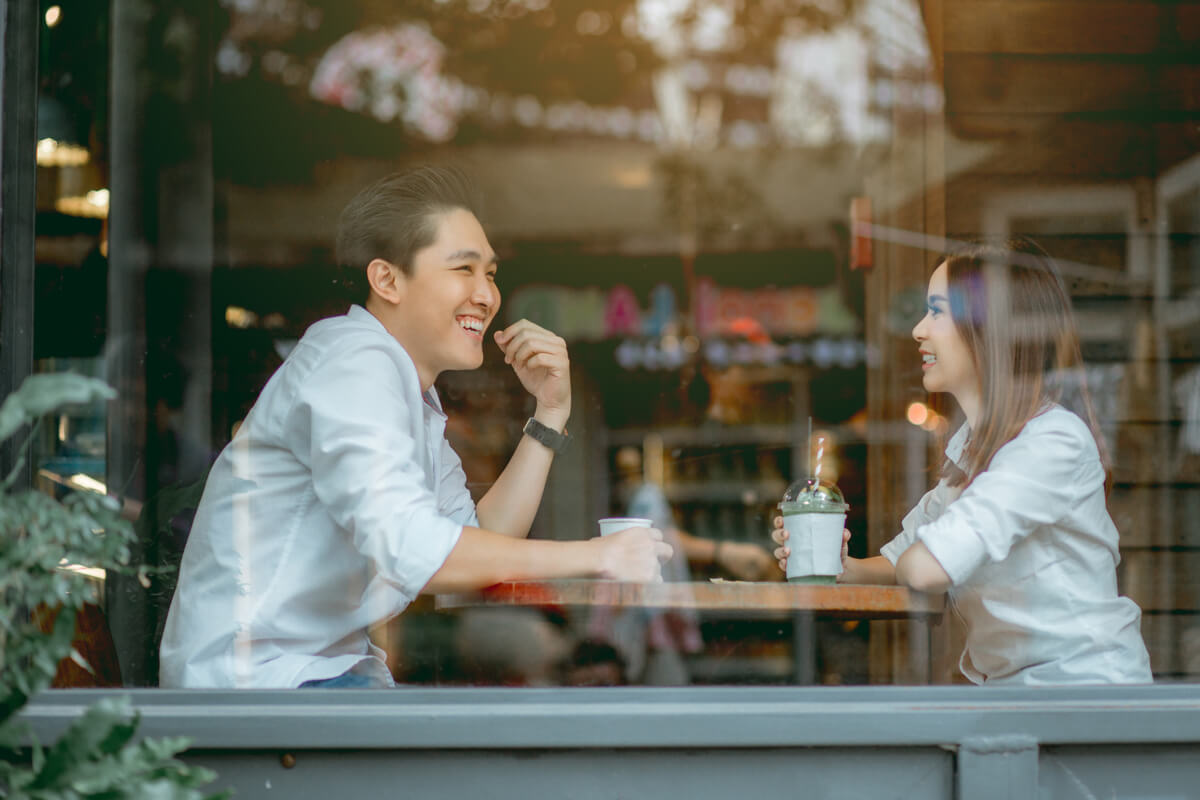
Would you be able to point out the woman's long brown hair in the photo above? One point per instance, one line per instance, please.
(1011, 307)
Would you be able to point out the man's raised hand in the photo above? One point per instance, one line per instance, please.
(540, 360)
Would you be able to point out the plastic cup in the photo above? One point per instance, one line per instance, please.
(815, 541)
(814, 515)
(613, 524)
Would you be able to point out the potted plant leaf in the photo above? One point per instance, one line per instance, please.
(99, 755)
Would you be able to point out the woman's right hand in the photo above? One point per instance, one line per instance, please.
(634, 554)
(779, 535)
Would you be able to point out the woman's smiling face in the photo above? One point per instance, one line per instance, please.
(947, 363)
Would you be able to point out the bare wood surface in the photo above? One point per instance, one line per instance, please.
(983, 83)
(841, 600)
(1038, 27)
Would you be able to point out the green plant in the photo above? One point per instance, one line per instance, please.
(97, 757)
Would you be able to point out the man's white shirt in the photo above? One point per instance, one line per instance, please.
(333, 506)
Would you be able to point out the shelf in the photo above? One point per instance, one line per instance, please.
(679, 436)
(748, 492)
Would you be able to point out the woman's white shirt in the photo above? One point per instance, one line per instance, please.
(1031, 552)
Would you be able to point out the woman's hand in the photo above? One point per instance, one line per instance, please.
(845, 554)
(779, 535)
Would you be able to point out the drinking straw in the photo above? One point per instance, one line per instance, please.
(820, 455)
(808, 444)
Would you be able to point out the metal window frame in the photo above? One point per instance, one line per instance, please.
(18, 189)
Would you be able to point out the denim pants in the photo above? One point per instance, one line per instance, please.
(347, 680)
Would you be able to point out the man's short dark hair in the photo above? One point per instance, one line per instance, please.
(395, 217)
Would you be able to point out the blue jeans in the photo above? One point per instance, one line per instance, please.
(347, 680)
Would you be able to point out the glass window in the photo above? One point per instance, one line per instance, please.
(731, 213)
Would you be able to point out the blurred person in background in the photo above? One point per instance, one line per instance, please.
(654, 643)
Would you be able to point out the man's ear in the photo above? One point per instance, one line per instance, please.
(386, 280)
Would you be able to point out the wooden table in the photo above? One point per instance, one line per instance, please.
(825, 600)
(803, 603)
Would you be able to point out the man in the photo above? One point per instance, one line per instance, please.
(339, 499)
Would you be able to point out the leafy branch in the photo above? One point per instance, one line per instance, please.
(40, 536)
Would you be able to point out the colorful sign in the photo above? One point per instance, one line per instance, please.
(593, 314)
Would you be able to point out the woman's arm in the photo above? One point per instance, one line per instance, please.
(918, 569)
(867, 570)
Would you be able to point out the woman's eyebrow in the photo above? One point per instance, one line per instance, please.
(935, 298)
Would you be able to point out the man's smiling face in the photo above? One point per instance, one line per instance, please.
(448, 299)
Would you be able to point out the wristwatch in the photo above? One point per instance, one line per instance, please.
(546, 435)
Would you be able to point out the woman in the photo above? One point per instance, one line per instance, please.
(1016, 530)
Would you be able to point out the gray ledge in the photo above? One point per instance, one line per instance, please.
(489, 718)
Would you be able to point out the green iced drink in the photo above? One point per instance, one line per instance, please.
(814, 514)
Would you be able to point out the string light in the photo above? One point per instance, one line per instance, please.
(93, 204)
(52, 153)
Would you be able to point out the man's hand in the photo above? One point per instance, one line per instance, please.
(540, 360)
(634, 554)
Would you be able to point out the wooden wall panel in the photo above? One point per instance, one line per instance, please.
(1052, 28)
(992, 84)
(1184, 25)
(1132, 510)
(1143, 572)
(1028, 144)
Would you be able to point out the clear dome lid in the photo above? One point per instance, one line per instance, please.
(814, 494)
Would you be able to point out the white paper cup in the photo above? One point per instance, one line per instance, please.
(613, 524)
(815, 541)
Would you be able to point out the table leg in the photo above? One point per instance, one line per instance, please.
(804, 648)
(920, 649)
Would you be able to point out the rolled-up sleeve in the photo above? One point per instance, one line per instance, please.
(1032, 481)
(366, 466)
(455, 499)
(921, 513)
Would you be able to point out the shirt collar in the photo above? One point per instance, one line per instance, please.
(360, 314)
(956, 445)
(433, 401)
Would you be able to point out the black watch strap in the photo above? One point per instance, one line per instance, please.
(546, 435)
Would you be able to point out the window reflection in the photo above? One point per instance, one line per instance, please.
(670, 186)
